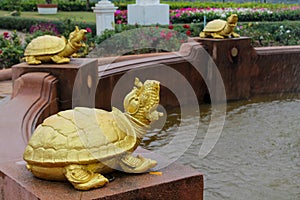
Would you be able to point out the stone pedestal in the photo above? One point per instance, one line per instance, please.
(147, 12)
(105, 17)
(234, 58)
(78, 71)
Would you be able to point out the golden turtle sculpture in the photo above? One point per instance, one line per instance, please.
(81, 144)
(219, 29)
(49, 48)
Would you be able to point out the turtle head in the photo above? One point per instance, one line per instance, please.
(77, 36)
(141, 103)
(232, 20)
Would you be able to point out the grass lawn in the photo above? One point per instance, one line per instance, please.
(75, 16)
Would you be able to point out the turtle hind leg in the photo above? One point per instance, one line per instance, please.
(31, 60)
(217, 36)
(83, 179)
(60, 59)
(137, 164)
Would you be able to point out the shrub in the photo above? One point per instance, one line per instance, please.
(11, 5)
(271, 33)
(136, 39)
(11, 49)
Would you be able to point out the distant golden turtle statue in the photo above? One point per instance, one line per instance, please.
(49, 48)
(219, 28)
(80, 145)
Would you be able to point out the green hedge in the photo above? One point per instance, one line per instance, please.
(24, 24)
(11, 5)
(31, 6)
(182, 4)
(177, 5)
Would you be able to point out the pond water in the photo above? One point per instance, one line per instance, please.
(257, 155)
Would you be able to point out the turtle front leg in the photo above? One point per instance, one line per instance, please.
(60, 59)
(235, 35)
(202, 35)
(84, 179)
(139, 164)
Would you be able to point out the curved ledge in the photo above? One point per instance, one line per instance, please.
(33, 98)
(5, 74)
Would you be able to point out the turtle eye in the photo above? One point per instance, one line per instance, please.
(133, 106)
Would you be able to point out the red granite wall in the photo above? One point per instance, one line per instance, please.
(276, 70)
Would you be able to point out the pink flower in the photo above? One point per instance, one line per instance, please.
(169, 35)
(171, 27)
(162, 34)
(89, 30)
(119, 21)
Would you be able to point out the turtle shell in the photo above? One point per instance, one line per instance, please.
(215, 25)
(80, 136)
(45, 45)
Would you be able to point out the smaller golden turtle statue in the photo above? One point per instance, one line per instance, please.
(49, 48)
(220, 29)
(80, 145)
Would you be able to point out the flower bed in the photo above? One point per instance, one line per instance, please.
(194, 15)
(185, 15)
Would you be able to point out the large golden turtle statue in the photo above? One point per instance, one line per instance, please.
(219, 29)
(80, 145)
(49, 48)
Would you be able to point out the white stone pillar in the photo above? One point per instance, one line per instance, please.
(147, 12)
(105, 15)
